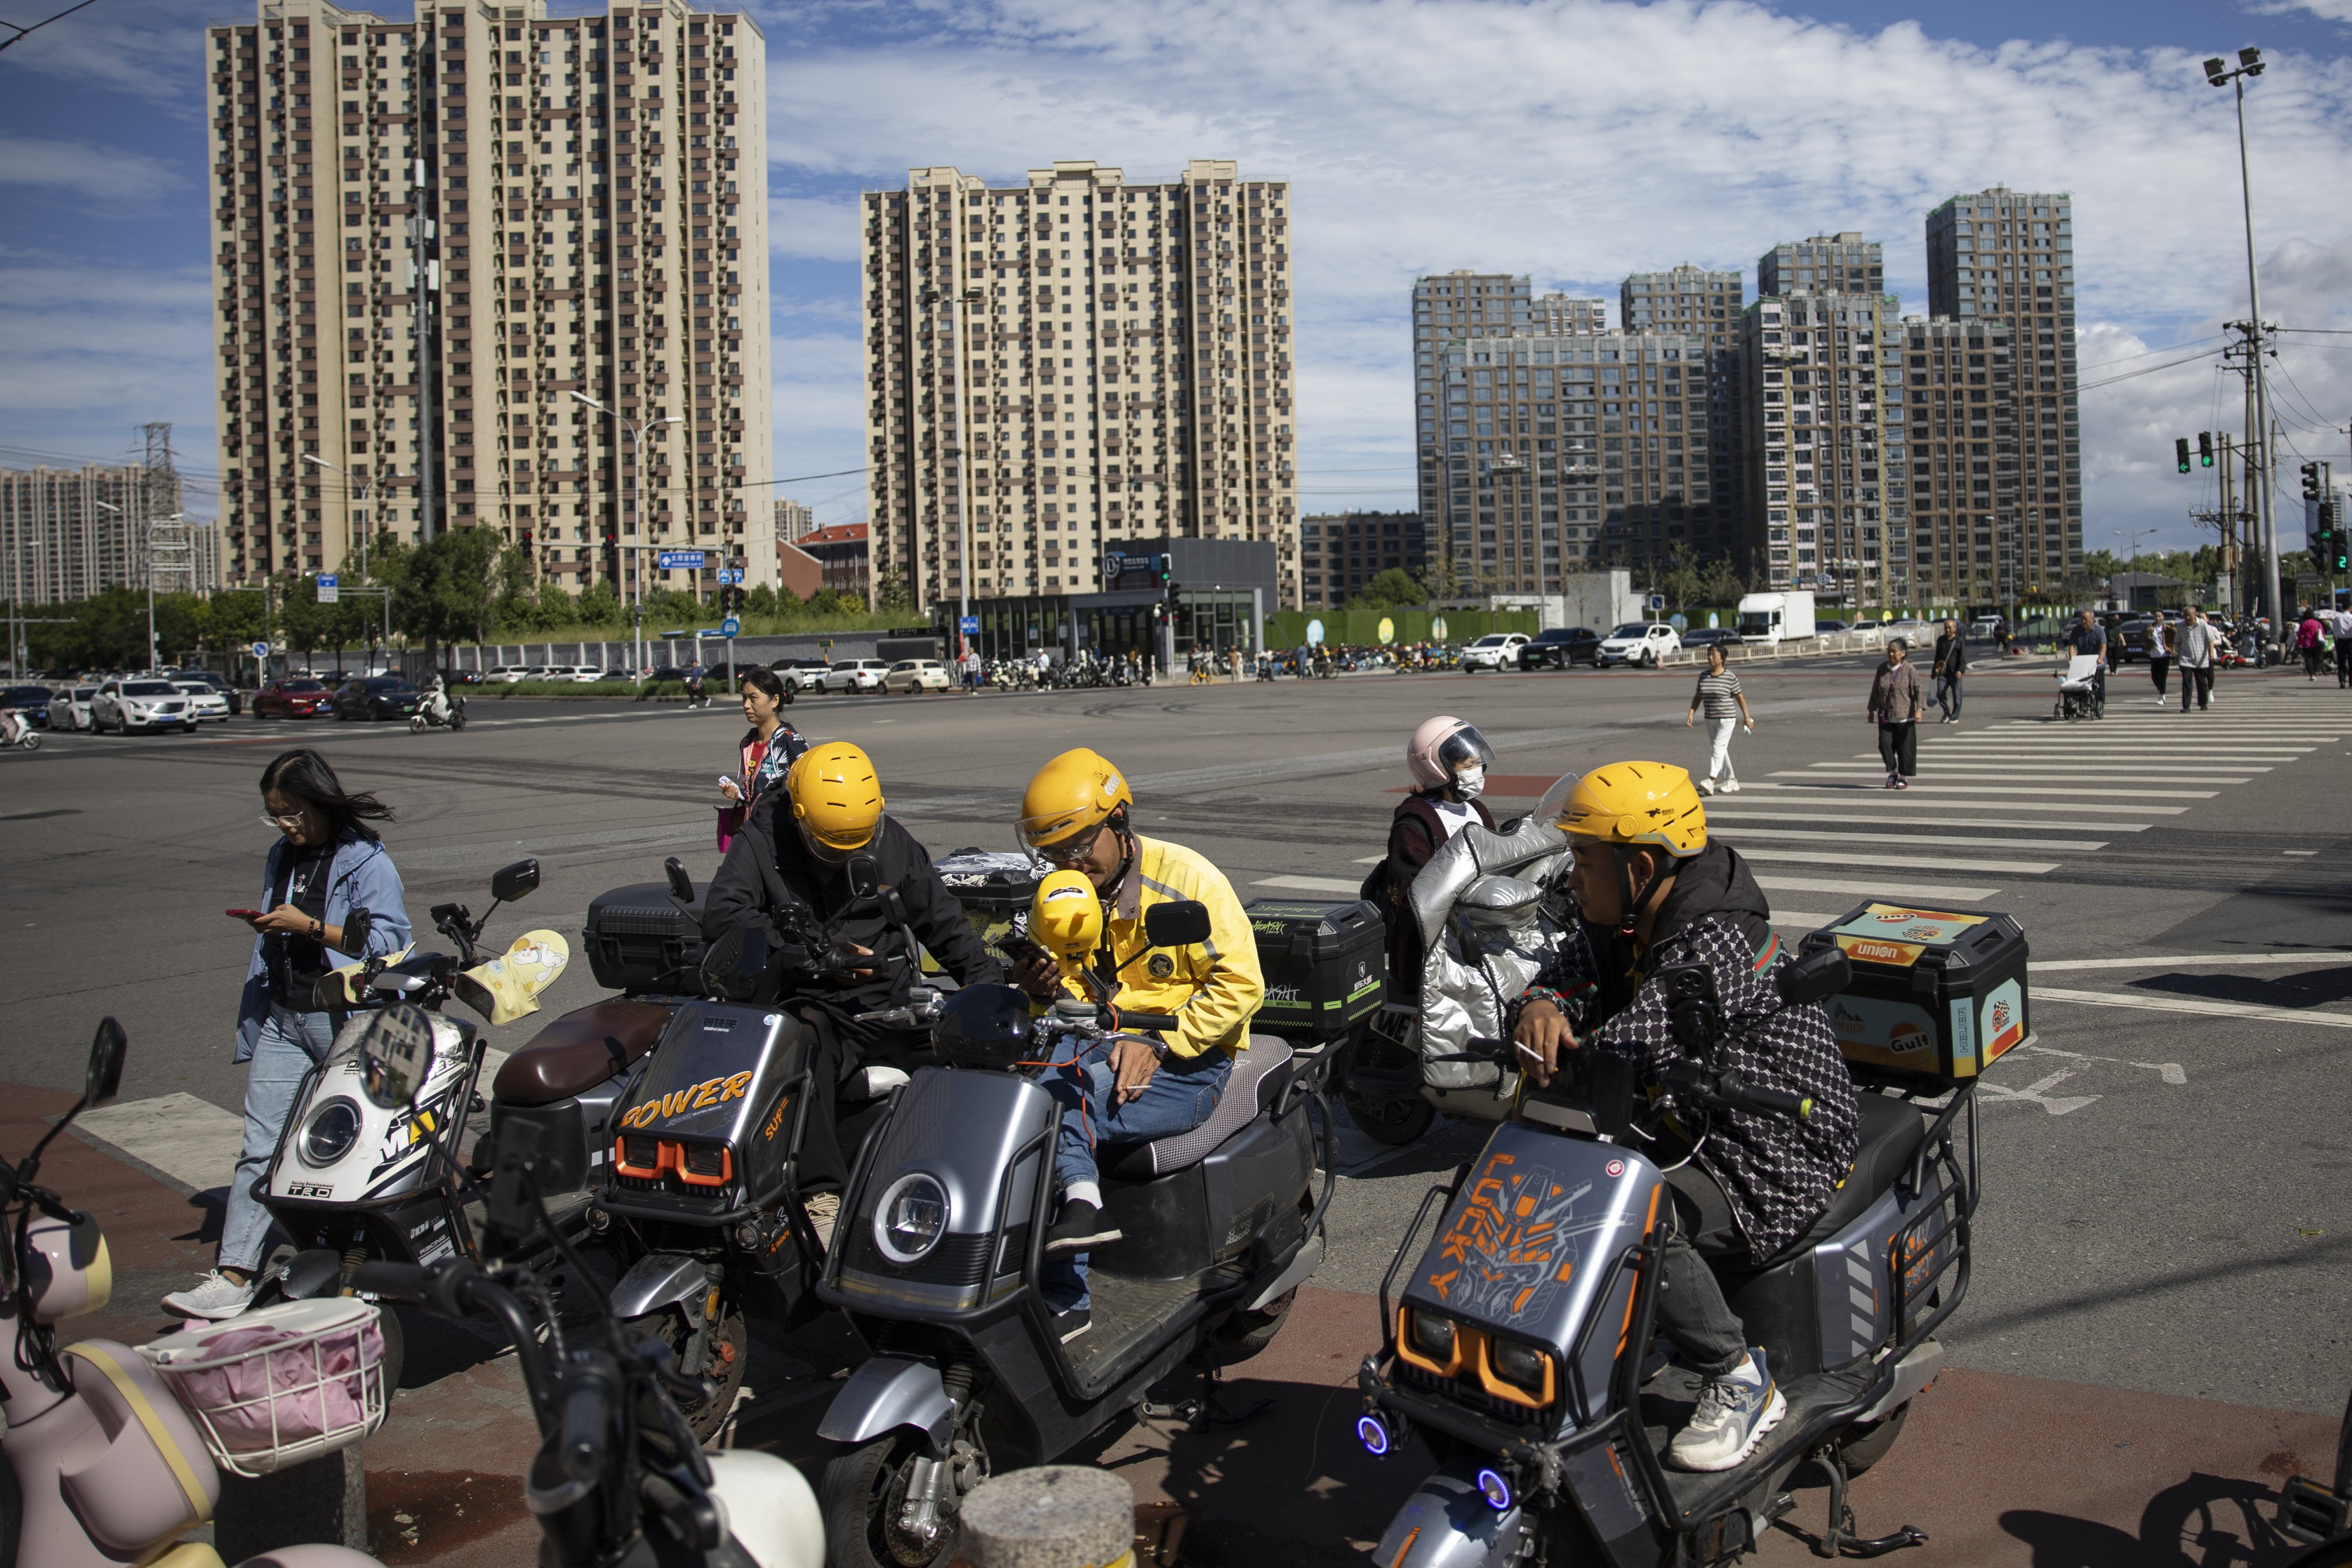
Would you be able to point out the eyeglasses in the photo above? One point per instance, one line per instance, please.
(284, 824)
(1073, 851)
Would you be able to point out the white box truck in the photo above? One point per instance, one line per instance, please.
(1775, 617)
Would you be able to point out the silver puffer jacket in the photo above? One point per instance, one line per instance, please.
(1493, 909)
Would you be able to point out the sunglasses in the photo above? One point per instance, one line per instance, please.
(284, 824)
(1073, 851)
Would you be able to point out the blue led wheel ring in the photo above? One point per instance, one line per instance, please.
(1495, 1488)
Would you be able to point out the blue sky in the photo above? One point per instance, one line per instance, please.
(1572, 139)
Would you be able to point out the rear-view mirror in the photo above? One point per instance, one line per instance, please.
(513, 881)
(681, 885)
(865, 877)
(1180, 922)
(734, 964)
(395, 1054)
(1816, 977)
(107, 1049)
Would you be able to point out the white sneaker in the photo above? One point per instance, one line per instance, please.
(1734, 1413)
(215, 1295)
(1730, 786)
(1707, 786)
(824, 1215)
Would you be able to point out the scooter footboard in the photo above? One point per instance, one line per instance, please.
(1447, 1523)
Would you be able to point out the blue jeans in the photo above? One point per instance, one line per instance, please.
(1179, 1096)
(289, 1043)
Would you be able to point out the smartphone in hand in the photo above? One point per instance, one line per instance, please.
(242, 914)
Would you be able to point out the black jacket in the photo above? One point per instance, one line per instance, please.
(768, 868)
(1951, 655)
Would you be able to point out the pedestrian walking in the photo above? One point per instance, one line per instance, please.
(2198, 640)
(1725, 704)
(766, 752)
(2309, 639)
(328, 860)
(1950, 667)
(2001, 635)
(1897, 704)
(2340, 623)
(971, 670)
(2086, 635)
(2159, 655)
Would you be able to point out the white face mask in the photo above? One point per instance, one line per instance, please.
(1470, 782)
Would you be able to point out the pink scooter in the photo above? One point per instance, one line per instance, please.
(110, 1462)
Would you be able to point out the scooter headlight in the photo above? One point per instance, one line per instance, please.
(330, 1132)
(1523, 1366)
(1433, 1335)
(910, 1218)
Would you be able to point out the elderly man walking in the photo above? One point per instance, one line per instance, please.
(1897, 704)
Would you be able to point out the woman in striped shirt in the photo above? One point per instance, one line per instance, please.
(1719, 693)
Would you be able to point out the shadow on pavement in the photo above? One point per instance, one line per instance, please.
(2204, 1522)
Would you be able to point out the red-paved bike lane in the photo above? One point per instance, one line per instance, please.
(1998, 1469)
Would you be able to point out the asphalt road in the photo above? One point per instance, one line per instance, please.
(2165, 1209)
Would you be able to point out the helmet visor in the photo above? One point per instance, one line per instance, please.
(1466, 748)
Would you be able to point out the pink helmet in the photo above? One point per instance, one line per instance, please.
(1441, 745)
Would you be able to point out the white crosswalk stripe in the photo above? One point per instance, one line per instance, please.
(2057, 793)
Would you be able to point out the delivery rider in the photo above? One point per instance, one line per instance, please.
(1651, 891)
(1133, 1089)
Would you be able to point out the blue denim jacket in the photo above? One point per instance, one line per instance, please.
(364, 877)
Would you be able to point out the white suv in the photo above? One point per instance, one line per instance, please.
(204, 702)
(1639, 642)
(140, 704)
(856, 675)
(1496, 650)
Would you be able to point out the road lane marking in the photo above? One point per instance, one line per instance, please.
(2253, 1010)
(1798, 813)
(1930, 841)
(1911, 862)
(191, 1140)
(1987, 773)
(1907, 893)
(2056, 966)
(1310, 884)
(2071, 790)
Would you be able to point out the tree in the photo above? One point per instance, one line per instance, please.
(1680, 580)
(599, 606)
(1719, 583)
(761, 601)
(1392, 588)
(891, 594)
(446, 591)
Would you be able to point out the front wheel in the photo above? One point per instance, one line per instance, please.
(417, 724)
(1865, 1443)
(32, 739)
(1394, 1123)
(864, 1497)
(456, 721)
(727, 1354)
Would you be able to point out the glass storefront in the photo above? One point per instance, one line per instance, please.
(1216, 620)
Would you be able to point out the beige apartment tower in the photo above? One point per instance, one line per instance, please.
(432, 237)
(1704, 304)
(2007, 257)
(1962, 494)
(1067, 365)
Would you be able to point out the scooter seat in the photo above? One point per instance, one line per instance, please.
(1259, 1076)
(1890, 1134)
(580, 1050)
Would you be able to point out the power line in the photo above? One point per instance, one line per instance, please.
(24, 32)
(2148, 370)
(2169, 348)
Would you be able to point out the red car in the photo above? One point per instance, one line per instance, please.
(293, 699)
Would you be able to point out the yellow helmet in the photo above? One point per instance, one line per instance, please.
(1065, 918)
(836, 796)
(1076, 790)
(1634, 804)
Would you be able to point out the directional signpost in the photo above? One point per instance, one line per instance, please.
(675, 560)
(969, 626)
(328, 593)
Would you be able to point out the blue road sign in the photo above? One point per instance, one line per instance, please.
(728, 576)
(730, 627)
(969, 626)
(261, 650)
(671, 560)
(1657, 602)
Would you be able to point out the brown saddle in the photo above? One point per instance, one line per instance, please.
(580, 1050)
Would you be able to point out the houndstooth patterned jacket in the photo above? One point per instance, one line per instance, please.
(1779, 1174)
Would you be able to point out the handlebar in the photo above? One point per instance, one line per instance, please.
(1735, 1090)
(1155, 1021)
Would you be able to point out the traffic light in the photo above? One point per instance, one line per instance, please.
(2180, 453)
(1167, 565)
(2311, 481)
(2205, 449)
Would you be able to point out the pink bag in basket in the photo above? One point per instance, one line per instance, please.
(312, 1387)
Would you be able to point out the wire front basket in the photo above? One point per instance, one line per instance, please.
(281, 1385)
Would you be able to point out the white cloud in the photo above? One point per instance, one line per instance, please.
(811, 230)
(88, 353)
(2325, 10)
(103, 173)
(152, 49)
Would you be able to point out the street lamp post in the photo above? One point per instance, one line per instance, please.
(637, 429)
(147, 564)
(2250, 64)
(2135, 535)
(366, 485)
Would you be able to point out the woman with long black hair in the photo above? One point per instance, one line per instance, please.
(328, 860)
(767, 751)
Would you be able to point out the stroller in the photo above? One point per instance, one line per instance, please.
(2078, 690)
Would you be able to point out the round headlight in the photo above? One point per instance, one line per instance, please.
(910, 1218)
(329, 1133)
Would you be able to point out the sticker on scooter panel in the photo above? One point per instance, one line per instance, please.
(2004, 1020)
(694, 1097)
(309, 1190)
(1898, 1033)
(1615, 1167)
(1513, 1242)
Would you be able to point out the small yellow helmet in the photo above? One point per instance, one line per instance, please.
(1076, 790)
(1634, 804)
(836, 796)
(1065, 918)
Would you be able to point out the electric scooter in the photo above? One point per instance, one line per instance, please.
(937, 1262)
(1520, 1346)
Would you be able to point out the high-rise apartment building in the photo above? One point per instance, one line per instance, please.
(68, 534)
(1705, 304)
(793, 519)
(1562, 453)
(1340, 552)
(431, 234)
(1568, 316)
(2009, 257)
(1825, 264)
(1072, 364)
(1962, 478)
(1825, 454)
(1448, 307)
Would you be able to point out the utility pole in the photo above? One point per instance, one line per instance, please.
(2250, 64)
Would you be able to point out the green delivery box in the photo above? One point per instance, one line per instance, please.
(1326, 966)
(1937, 996)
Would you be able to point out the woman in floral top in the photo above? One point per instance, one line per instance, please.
(767, 750)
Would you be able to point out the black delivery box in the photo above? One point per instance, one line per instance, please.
(994, 887)
(1937, 996)
(640, 938)
(1325, 963)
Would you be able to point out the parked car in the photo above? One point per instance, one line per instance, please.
(801, 675)
(70, 708)
(218, 682)
(1494, 651)
(1639, 642)
(139, 702)
(1824, 628)
(505, 674)
(298, 698)
(665, 672)
(1561, 648)
(377, 697)
(202, 701)
(32, 702)
(577, 674)
(461, 677)
(2127, 636)
(913, 675)
(1981, 628)
(617, 677)
(1705, 637)
(1913, 632)
(856, 675)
